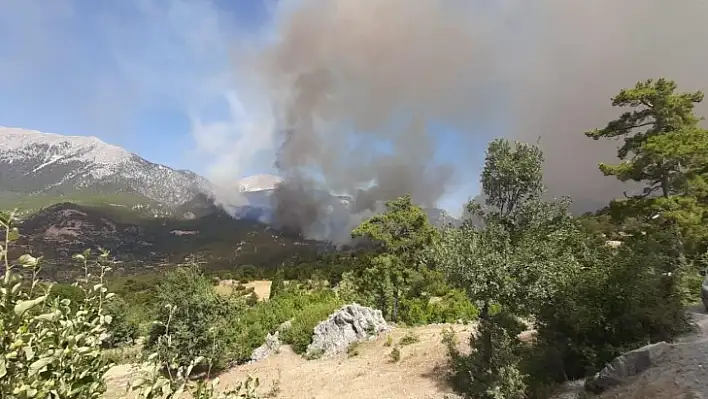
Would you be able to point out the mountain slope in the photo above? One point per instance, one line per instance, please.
(61, 230)
(35, 163)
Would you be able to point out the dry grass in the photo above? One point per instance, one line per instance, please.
(260, 287)
(371, 374)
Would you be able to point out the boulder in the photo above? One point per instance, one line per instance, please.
(271, 345)
(351, 323)
(627, 366)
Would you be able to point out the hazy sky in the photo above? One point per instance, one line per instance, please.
(191, 83)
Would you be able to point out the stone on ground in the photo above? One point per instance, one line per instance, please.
(349, 324)
(626, 366)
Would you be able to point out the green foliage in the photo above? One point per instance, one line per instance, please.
(401, 235)
(512, 264)
(71, 292)
(619, 300)
(203, 319)
(304, 309)
(512, 174)
(155, 384)
(453, 307)
(659, 133)
(50, 349)
(395, 355)
(278, 283)
(408, 339)
(122, 330)
(490, 371)
(389, 341)
(353, 349)
(299, 335)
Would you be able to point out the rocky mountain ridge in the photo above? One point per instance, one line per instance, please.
(33, 162)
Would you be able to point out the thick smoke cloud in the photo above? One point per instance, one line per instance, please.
(346, 76)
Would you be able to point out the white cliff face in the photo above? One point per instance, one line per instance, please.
(35, 162)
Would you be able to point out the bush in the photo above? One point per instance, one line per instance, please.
(299, 335)
(454, 306)
(408, 339)
(123, 329)
(622, 299)
(203, 319)
(305, 309)
(395, 355)
(49, 349)
(492, 369)
(67, 291)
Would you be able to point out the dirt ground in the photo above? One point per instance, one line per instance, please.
(419, 374)
(261, 287)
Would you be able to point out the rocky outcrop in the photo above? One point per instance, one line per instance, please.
(626, 366)
(349, 324)
(271, 345)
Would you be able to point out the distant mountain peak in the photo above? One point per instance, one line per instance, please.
(33, 162)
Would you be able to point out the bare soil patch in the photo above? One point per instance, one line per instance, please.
(419, 374)
(260, 287)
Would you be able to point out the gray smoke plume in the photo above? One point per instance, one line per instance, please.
(356, 86)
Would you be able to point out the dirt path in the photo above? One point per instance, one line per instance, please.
(370, 374)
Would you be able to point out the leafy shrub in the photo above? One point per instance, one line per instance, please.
(408, 339)
(690, 286)
(202, 322)
(353, 349)
(48, 348)
(155, 384)
(621, 300)
(304, 308)
(492, 369)
(395, 355)
(299, 335)
(122, 330)
(51, 350)
(247, 273)
(452, 307)
(389, 341)
(67, 291)
(278, 283)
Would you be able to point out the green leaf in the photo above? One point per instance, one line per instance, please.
(23, 306)
(38, 366)
(3, 366)
(47, 316)
(29, 352)
(27, 260)
(14, 234)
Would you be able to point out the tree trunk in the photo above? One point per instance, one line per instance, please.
(394, 317)
(486, 334)
(665, 186)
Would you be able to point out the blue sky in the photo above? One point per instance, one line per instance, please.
(158, 78)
